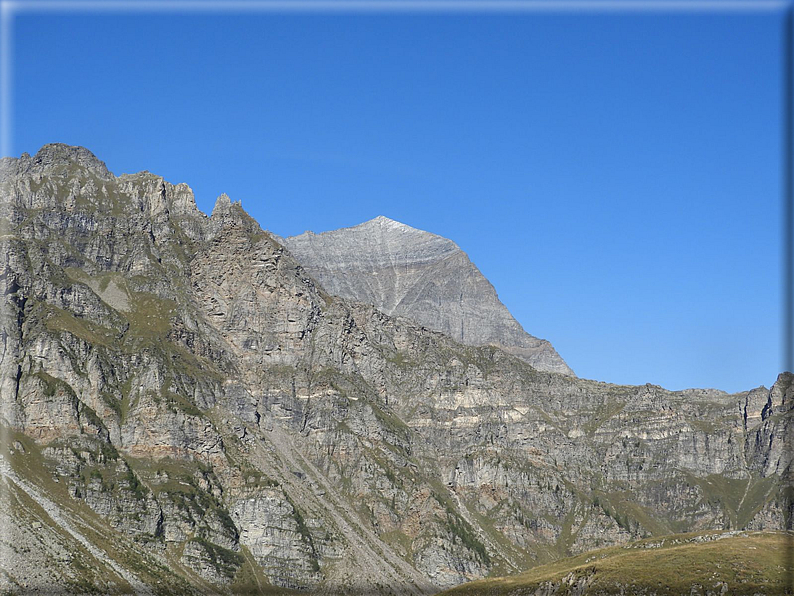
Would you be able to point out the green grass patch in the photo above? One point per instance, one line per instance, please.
(59, 320)
(226, 562)
(739, 498)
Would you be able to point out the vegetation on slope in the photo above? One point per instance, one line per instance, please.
(711, 563)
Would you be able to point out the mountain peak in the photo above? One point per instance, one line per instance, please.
(376, 227)
(61, 154)
(384, 224)
(382, 219)
(222, 204)
(416, 274)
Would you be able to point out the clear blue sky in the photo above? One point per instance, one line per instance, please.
(616, 176)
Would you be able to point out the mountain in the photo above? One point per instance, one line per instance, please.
(407, 272)
(184, 408)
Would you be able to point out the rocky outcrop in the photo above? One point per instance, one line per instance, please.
(407, 272)
(201, 399)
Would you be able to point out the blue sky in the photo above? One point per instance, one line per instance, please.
(615, 175)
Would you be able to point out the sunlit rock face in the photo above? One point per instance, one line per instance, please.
(184, 405)
(407, 272)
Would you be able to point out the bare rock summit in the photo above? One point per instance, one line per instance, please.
(411, 273)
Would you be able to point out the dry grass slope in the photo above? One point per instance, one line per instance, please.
(717, 563)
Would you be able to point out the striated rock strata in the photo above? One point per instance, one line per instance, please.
(407, 272)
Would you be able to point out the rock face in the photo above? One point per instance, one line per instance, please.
(407, 272)
(184, 409)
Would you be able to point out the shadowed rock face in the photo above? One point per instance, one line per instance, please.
(179, 394)
(407, 272)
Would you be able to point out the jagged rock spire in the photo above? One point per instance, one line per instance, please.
(222, 205)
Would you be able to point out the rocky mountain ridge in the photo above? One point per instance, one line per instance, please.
(186, 408)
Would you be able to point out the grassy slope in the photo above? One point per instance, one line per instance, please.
(748, 562)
